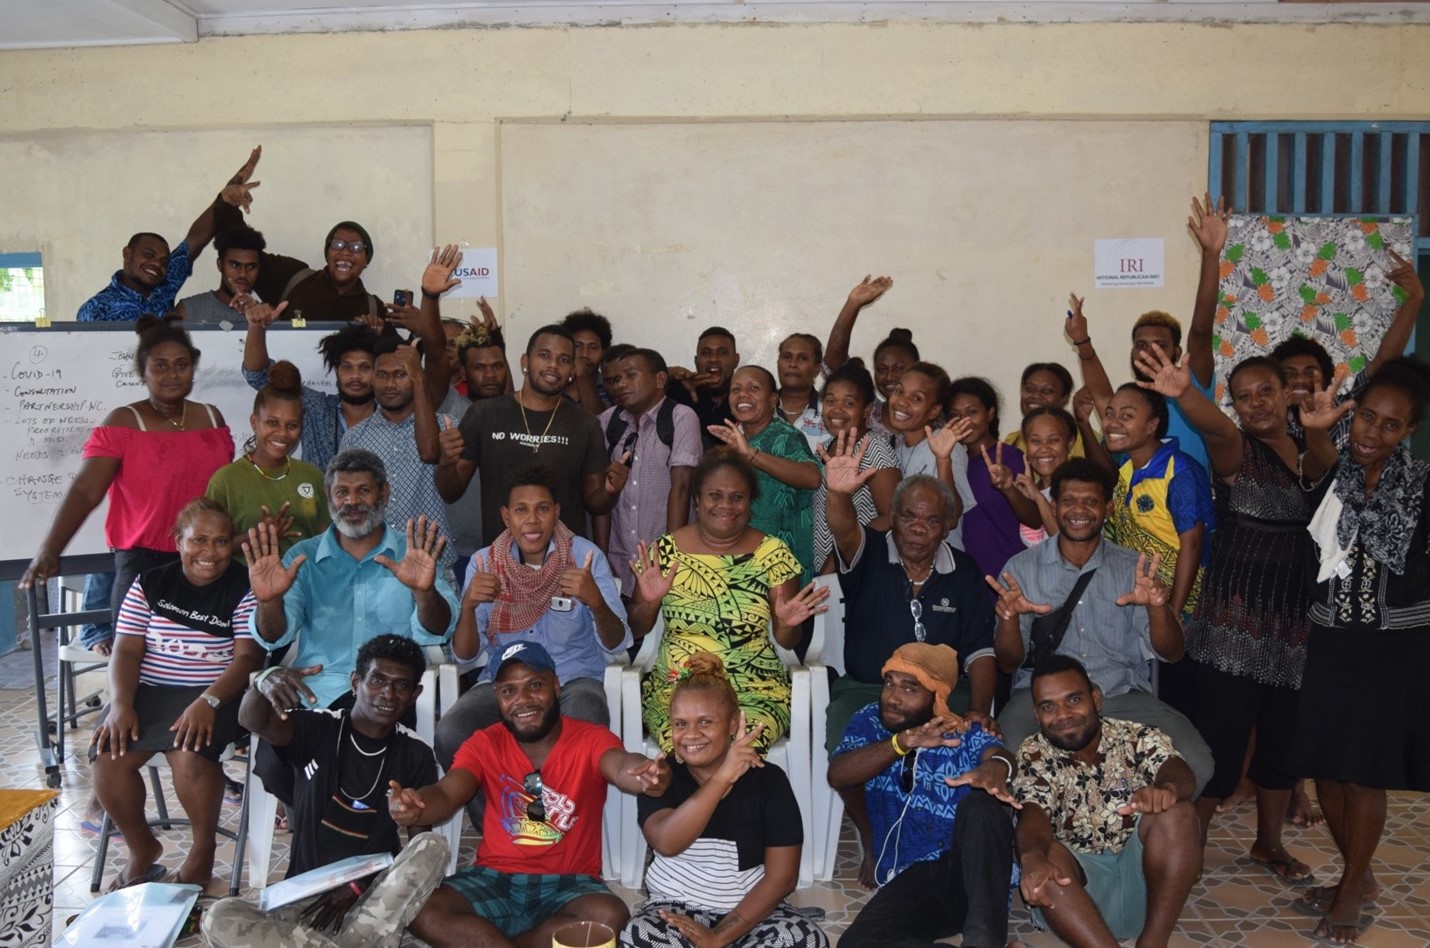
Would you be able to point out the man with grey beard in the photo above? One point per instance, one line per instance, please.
(357, 579)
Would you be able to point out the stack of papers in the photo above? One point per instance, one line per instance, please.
(319, 880)
(150, 915)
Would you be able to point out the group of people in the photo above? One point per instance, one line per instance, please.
(1065, 644)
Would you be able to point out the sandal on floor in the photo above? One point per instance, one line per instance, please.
(1366, 918)
(1284, 869)
(154, 873)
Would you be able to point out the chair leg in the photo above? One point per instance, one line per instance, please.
(159, 801)
(98, 875)
(240, 840)
(63, 678)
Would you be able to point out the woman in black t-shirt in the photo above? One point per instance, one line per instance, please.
(726, 834)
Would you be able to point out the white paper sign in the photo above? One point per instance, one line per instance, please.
(1127, 262)
(478, 273)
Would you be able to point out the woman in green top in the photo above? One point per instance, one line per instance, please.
(787, 473)
(722, 587)
(266, 485)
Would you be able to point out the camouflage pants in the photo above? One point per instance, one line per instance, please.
(376, 920)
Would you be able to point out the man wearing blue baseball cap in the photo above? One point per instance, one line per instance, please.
(544, 776)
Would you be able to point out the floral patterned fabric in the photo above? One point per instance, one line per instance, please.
(1322, 277)
(1081, 800)
(721, 605)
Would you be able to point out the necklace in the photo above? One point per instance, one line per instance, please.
(795, 413)
(916, 582)
(357, 801)
(536, 444)
(183, 414)
(265, 475)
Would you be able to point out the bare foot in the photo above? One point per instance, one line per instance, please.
(1245, 792)
(1301, 811)
(866, 874)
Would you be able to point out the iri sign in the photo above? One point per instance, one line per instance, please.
(1127, 262)
(478, 273)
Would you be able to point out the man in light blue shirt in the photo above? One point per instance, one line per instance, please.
(356, 580)
(540, 583)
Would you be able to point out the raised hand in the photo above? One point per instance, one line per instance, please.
(868, 290)
(731, 434)
(1167, 377)
(418, 568)
(841, 469)
(1149, 590)
(938, 731)
(484, 586)
(1000, 475)
(990, 776)
(451, 441)
(1028, 487)
(119, 727)
(1149, 800)
(1076, 326)
(617, 473)
(238, 191)
(195, 728)
(404, 804)
(437, 278)
(489, 317)
(651, 584)
(411, 362)
(1404, 276)
(943, 440)
(285, 689)
(282, 521)
(1083, 406)
(653, 775)
(742, 754)
(581, 583)
(1319, 411)
(1011, 601)
(267, 576)
(256, 313)
(794, 610)
(1208, 224)
(406, 316)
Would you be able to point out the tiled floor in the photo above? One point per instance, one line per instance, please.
(1234, 904)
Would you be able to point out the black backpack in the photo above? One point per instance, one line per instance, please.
(664, 427)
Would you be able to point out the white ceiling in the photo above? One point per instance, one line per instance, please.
(50, 23)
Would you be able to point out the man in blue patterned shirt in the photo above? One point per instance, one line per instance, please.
(936, 787)
(152, 275)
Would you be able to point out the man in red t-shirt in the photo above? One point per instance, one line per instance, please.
(544, 777)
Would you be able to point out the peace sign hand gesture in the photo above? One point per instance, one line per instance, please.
(1076, 326)
(1000, 475)
(841, 469)
(268, 578)
(742, 754)
(484, 586)
(282, 521)
(581, 584)
(651, 584)
(1011, 601)
(1150, 590)
(418, 568)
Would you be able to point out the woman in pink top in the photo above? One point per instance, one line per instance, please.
(152, 456)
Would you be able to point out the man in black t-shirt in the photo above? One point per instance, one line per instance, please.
(343, 763)
(535, 426)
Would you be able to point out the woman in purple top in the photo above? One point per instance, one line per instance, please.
(991, 528)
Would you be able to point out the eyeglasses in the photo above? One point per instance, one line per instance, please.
(906, 776)
(338, 244)
(536, 809)
(916, 609)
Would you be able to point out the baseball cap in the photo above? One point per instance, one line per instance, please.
(531, 654)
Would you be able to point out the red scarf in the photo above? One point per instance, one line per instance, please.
(525, 592)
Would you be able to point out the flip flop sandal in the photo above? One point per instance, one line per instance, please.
(1364, 923)
(154, 873)
(1282, 869)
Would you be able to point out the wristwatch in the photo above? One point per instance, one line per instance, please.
(211, 699)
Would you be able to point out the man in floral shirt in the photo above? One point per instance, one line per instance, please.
(1107, 833)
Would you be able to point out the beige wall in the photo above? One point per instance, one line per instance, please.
(460, 87)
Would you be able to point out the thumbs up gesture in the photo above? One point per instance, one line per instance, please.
(485, 585)
(581, 584)
(450, 440)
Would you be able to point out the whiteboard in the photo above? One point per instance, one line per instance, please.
(763, 227)
(57, 384)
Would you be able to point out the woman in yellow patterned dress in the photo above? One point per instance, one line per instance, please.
(719, 583)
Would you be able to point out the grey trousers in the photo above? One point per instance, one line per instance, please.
(376, 920)
(1018, 722)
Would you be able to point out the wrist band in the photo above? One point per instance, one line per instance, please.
(1006, 763)
(264, 674)
(1082, 342)
(357, 889)
(753, 456)
(894, 742)
(432, 296)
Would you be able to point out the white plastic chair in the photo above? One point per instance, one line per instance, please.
(826, 651)
(791, 752)
(263, 806)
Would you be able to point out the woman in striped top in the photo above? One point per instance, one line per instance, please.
(182, 660)
(726, 833)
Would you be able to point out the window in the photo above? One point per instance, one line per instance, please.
(22, 287)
